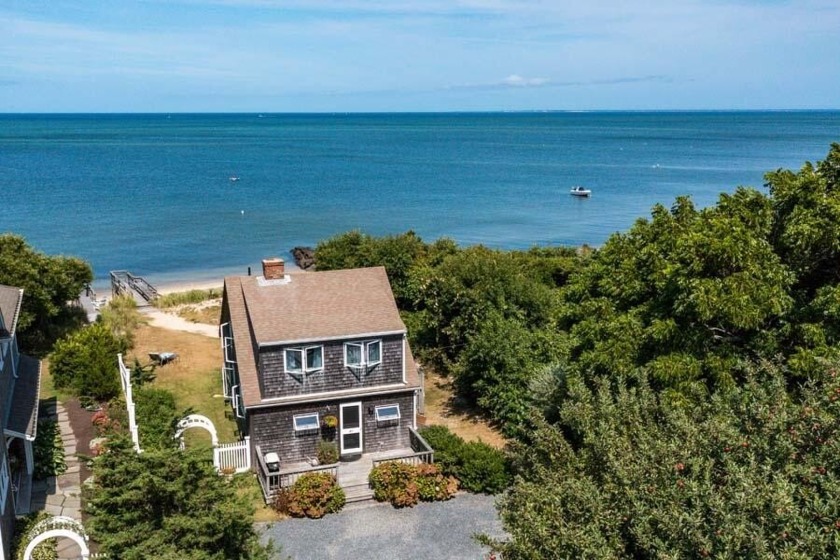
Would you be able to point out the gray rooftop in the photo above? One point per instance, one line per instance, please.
(10, 300)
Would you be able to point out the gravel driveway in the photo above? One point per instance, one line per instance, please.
(437, 530)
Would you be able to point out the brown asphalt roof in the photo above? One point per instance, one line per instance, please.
(322, 305)
(10, 300)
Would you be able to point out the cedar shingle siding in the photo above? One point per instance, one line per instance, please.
(273, 429)
(335, 376)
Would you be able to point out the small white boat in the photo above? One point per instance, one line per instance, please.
(233, 178)
(580, 191)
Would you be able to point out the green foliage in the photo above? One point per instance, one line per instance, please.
(48, 451)
(483, 469)
(86, 362)
(47, 550)
(312, 495)
(191, 296)
(479, 467)
(170, 502)
(748, 472)
(327, 452)
(142, 373)
(158, 415)
(448, 447)
(484, 316)
(49, 282)
(122, 318)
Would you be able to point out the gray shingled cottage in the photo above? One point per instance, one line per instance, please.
(320, 355)
(20, 384)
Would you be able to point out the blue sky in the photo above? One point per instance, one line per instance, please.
(417, 55)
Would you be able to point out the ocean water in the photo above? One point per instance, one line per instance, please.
(152, 193)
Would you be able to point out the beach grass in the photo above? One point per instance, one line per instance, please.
(207, 314)
(166, 301)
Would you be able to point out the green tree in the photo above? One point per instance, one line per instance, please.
(49, 282)
(169, 504)
(687, 294)
(86, 362)
(625, 473)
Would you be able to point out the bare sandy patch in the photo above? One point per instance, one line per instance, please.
(443, 408)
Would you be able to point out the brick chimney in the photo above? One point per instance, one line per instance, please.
(273, 268)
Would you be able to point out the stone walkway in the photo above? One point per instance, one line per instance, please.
(61, 495)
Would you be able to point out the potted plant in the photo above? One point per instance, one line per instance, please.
(328, 426)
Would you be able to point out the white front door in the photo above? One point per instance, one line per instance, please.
(351, 428)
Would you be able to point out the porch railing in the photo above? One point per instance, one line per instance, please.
(423, 452)
(273, 482)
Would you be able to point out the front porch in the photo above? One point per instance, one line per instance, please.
(352, 476)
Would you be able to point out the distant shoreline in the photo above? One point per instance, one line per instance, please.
(185, 280)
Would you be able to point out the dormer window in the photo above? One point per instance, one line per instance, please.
(304, 360)
(361, 355)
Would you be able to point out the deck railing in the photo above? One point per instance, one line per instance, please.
(423, 452)
(273, 482)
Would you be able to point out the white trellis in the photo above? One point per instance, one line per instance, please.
(57, 527)
(125, 380)
(196, 421)
(234, 457)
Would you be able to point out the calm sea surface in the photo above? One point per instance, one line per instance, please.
(152, 193)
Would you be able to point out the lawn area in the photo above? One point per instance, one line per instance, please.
(194, 378)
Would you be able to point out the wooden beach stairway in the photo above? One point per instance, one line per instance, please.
(124, 282)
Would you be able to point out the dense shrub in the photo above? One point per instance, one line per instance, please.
(86, 362)
(448, 447)
(327, 452)
(480, 467)
(48, 451)
(483, 469)
(312, 495)
(395, 482)
(404, 485)
(433, 485)
(168, 504)
(47, 550)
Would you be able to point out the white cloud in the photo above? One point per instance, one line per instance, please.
(515, 80)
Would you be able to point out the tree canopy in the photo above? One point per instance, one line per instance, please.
(628, 473)
(86, 362)
(49, 282)
(169, 504)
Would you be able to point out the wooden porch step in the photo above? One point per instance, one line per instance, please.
(358, 493)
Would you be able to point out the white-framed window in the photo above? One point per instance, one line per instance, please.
(238, 407)
(306, 422)
(363, 354)
(304, 360)
(388, 412)
(4, 484)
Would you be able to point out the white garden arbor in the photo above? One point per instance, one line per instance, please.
(227, 457)
(57, 527)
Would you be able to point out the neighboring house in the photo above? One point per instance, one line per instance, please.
(303, 347)
(20, 383)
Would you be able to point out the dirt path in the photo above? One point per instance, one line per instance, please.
(175, 323)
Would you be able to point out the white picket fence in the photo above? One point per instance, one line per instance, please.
(234, 456)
